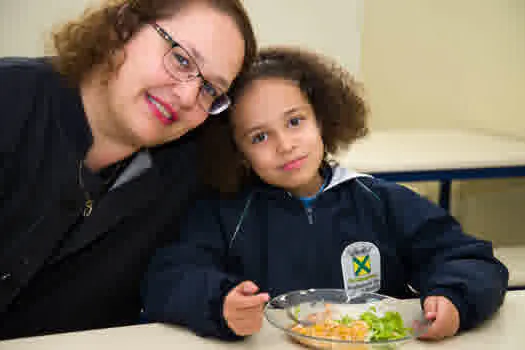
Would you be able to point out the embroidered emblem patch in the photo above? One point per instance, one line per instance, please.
(361, 265)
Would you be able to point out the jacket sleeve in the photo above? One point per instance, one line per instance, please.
(187, 281)
(443, 260)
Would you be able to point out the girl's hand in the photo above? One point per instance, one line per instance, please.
(243, 308)
(444, 315)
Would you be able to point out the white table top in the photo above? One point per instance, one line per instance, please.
(419, 149)
(504, 331)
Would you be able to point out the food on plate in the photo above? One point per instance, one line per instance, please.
(368, 326)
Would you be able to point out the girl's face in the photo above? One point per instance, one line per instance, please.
(276, 130)
(146, 106)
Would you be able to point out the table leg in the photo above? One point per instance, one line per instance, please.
(444, 195)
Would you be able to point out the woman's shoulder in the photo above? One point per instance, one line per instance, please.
(25, 79)
(23, 82)
(23, 70)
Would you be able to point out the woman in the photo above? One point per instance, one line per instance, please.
(95, 163)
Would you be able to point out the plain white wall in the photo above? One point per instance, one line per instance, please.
(329, 26)
(332, 27)
(25, 24)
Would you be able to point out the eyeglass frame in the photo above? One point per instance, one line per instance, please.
(173, 44)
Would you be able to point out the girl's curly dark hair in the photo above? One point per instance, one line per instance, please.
(93, 39)
(335, 97)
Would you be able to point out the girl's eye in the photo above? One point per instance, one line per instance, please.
(295, 121)
(260, 137)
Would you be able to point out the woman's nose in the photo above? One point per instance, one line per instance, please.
(187, 92)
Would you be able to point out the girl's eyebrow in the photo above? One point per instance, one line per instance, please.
(295, 109)
(253, 129)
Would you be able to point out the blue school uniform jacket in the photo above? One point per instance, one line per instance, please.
(267, 236)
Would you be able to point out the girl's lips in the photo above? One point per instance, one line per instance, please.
(294, 164)
(161, 110)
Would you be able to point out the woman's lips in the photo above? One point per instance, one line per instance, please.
(161, 110)
(294, 164)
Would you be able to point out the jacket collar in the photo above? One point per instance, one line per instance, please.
(336, 175)
(341, 175)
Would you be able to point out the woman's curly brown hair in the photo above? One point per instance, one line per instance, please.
(336, 99)
(93, 39)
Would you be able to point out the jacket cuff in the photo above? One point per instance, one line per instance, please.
(457, 299)
(216, 311)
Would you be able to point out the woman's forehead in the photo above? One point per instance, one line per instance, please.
(211, 36)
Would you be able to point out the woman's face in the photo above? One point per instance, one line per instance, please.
(146, 105)
(276, 130)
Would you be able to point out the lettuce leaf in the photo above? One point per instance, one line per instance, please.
(388, 327)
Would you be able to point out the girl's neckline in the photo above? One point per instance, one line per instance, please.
(307, 200)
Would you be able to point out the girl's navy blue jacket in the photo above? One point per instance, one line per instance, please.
(268, 236)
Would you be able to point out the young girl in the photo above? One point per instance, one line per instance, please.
(291, 213)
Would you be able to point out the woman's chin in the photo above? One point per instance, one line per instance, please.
(152, 139)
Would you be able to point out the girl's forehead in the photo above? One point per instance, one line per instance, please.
(271, 94)
(268, 100)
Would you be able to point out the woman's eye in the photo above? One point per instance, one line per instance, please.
(182, 61)
(260, 137)
(209, 89)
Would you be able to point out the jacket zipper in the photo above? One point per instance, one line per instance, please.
(88, 207)
(309, 214)
(308, 210)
